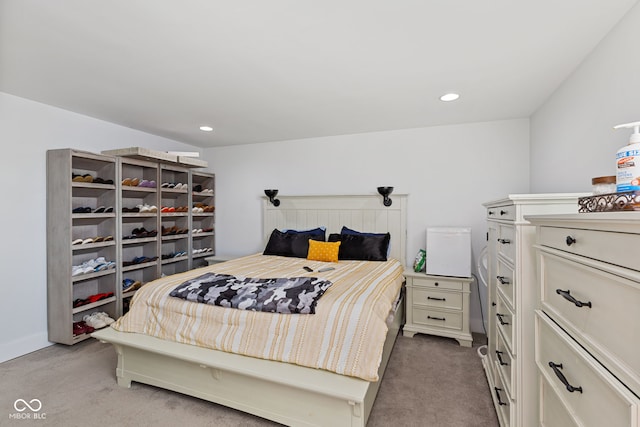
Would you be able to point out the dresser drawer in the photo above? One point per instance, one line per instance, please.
(609, 326)
(506, 242)
(431, 297)
(609, 247)
(505, 212)
(597, 398)
(440, 319)
(505, 321)
(503, 402)
(552, 412)
(504, 365)
(437, 283)
(505, 282)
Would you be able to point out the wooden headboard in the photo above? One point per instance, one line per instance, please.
(361, 212)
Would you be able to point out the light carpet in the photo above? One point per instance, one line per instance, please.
(430, 381)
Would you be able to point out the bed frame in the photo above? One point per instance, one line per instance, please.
(285, 393)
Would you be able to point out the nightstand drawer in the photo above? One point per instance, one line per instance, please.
(434, 298)
(438, 283)
(590, 392)
(600, 245)
(441, 319)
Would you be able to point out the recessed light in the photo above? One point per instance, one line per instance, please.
(449, 97)
(206, 128)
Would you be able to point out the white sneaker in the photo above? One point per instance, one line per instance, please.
(94, 321)
(104, 317)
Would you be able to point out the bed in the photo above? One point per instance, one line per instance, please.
(288, 393)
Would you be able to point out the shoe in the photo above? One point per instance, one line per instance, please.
(94, 321)
(77, 242)
(87, 241)
(99, 210)
(135, 182)
(104, 317)
(165, 185)
(98, 239)
(143, 183)
(126, 181)
(197, 188)
(109, 209)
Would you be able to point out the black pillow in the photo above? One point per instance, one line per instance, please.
(290, 244)
(359, 247)
(320, 232)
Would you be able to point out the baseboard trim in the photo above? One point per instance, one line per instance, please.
(25, 345)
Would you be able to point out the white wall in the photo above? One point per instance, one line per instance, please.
(448, 172)
(572, 139)
(27, 130)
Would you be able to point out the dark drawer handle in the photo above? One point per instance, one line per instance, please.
(437, 299)
(504, 241)
(436, 318)
(502, 280)
(567, 295)
(492, 213)
(570, 240)
(503, 212)
(498, 390)
(502, 322)
(498, 354)
(556, 368)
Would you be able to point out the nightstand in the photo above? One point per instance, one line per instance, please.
(438, 305)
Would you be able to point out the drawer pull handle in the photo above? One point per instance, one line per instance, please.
(498, 355)
(502, 280)
(556, 368)
(492, 213)
(437, 299)
(502, 322)
(498, 390)
(504, 241)
(567, 295)
(570, 240)
(436, 318)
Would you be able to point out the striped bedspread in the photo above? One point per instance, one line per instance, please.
(345, 335)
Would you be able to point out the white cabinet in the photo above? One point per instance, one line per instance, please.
(587, 338)
(509, 364)
(438, 305)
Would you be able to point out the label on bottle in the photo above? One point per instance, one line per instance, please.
(628, 170)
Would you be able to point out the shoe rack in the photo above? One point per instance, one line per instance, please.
(138, 226)
(175, 219)
(81, 228)
(128, 212)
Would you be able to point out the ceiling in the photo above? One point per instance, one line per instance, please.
(258, 70)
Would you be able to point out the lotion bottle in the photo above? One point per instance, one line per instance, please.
(628, 161)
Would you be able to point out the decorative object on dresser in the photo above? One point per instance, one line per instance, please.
(438, 305)
(509, 363)
(587, 343)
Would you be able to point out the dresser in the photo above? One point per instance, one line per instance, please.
(511, 270)
(587, 329)
(438, 305)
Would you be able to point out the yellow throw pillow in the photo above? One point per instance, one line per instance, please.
(323, 251)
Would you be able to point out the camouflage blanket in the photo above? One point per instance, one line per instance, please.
(276, 295)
